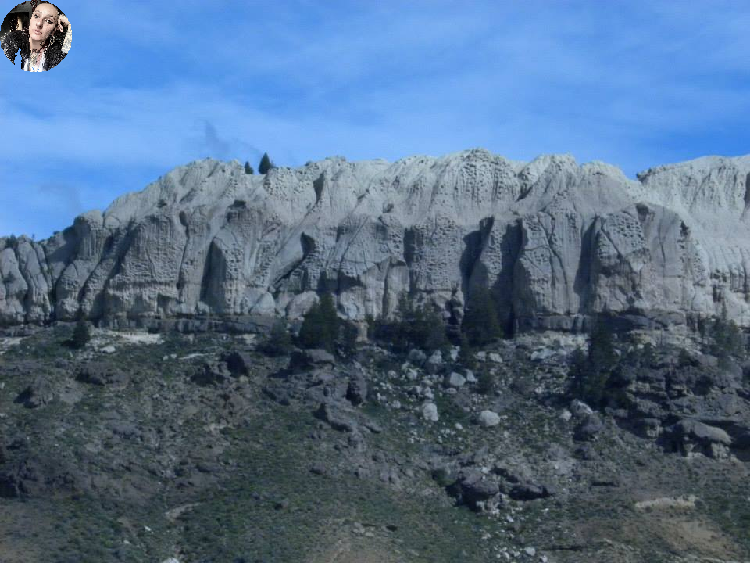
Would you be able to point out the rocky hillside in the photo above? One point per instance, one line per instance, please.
(200, 448)
(556, 241)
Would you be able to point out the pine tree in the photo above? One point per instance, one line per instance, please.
(320, 326)
(265, 164)
(427, 329)
(348, 333)
(81, 335)
(590, 373)
(726, 338)
(465, 353)
(248, 168)
(279, 342)
(481, 324)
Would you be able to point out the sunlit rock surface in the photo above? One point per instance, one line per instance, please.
(556, 241)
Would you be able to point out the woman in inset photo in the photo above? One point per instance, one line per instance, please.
(44, 36)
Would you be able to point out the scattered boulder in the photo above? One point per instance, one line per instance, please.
(430, 412)
(310, 359)
(530, 491)
(541, 355)
(495, 357)
(580, 409)
(455, 380)
(589, 428)
(335, 417)
(474, 489)
(37, 394)
(488, 419)
(101, 374)
(212, 373)
(691, 436)
(417, 357)
(648, 427)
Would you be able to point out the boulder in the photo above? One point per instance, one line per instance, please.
(430, 412)
(310, 359)
(691, 436)
(530, 491)
(212, 373)
(580, 409)
(475, 489)
(37, 393)
(700, 432)
(434, 362)
(455, 379)
(417, 357)
(336, 417)
(648, 427)
(488, 419)
(589, 428)
(102, 373)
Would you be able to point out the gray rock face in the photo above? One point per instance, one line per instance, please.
(556, 241)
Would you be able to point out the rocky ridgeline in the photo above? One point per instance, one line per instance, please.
(555, 240)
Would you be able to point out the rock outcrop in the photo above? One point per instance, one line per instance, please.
(554, 240)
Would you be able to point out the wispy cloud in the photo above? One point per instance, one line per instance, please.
(148, 86)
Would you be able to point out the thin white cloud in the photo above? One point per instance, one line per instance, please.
(303, 80)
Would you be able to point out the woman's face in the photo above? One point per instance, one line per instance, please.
(43, 22)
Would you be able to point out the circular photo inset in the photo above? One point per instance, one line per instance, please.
(39, 32)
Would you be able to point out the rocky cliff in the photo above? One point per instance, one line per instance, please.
(555, 240)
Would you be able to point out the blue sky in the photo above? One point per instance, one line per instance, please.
(148, 86)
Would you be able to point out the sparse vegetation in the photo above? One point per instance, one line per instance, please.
(263, 478)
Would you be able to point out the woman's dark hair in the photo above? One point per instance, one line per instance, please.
(20, 40)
